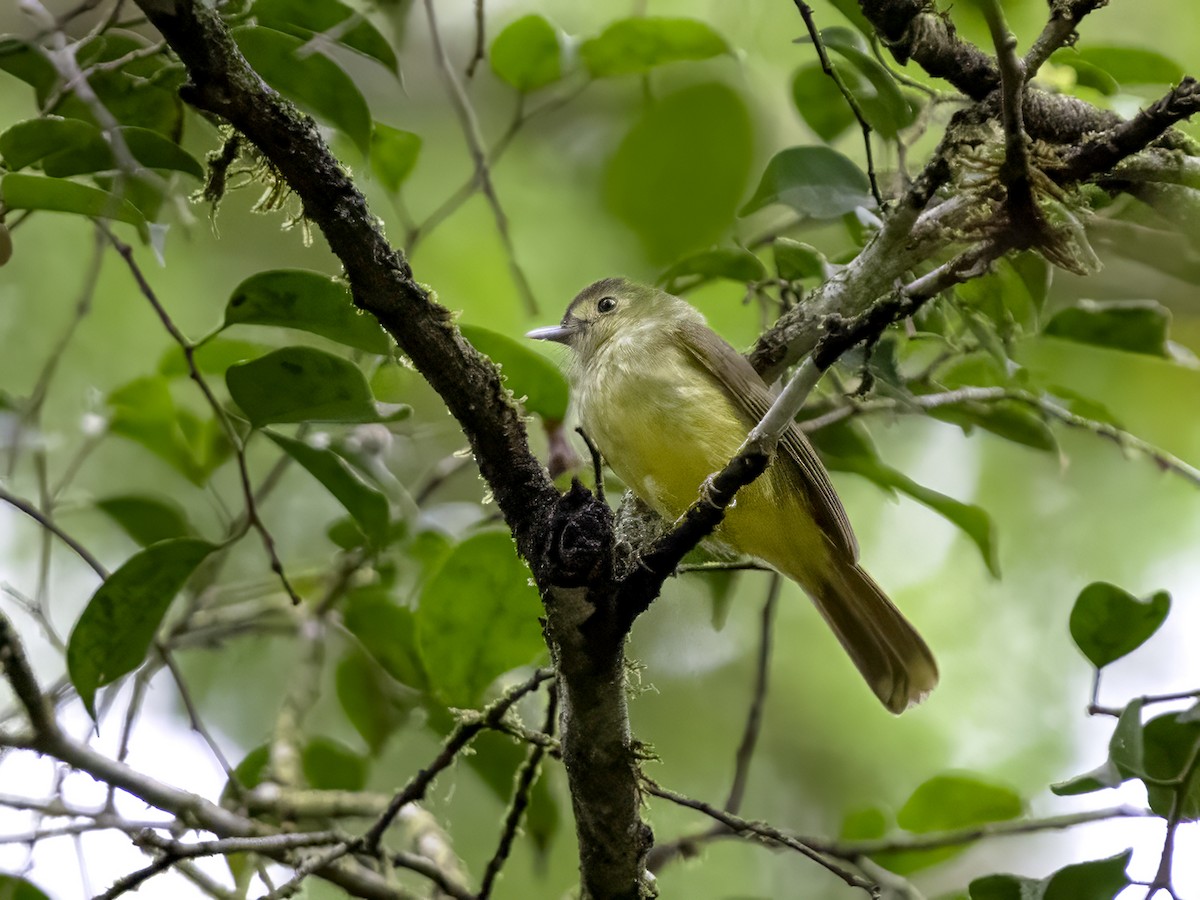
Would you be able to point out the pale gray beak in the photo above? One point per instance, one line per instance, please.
(561, 334)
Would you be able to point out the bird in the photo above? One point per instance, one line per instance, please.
(668, 402)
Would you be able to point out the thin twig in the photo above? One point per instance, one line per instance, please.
(1146, 699)
(31, 409)
(467, 189)
(193, 712)
(303, 690)
(665, 852)
(597, 463)
(1015, 171)
(475, 144)
(36, 514)
(745, 751)
(24, 684)
(526, 776)
(760, 830)
(1058, 32)
(720, 566)
(252, 517)
(480, 39)
(1123, 439)
(851, 850)
(463, 734)
(140, 684)
(1162, 877)
(136, 878)
(414, 862)
(442, 471)
(829, 69)
(265, 844)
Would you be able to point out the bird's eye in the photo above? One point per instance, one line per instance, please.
(606, 304)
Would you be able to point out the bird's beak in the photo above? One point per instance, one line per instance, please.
(561, 334)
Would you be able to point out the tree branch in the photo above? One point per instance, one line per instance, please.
(1065, 16)
(221, 82)
(1102, 152)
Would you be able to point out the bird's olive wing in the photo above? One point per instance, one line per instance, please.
(739, 381)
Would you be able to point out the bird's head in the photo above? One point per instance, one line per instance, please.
(615, 309)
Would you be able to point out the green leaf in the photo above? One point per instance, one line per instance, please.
(73, 147)
(1108, 623)
(1171, 743)
(795, 261)
(388, 632)
(1003, 297)
(1083, 406)
(973, 520)
(1100, 879)
(150, 148)
(526, 54)
(947, 803)
(28, 142)
(147, 520)
(1006, 887)
(851, 10)
(141, 91)
(527, 373)
(1035, 273)
(250, 772)
(863, 825)
(846, 447)
(477, 618)
(1103, 777)
(300, 384)
(393, 155)
(820, 103)
(732, 263)
(29, 63)
(1126, 747)
(374, 704)
(678, 174)
(422, 555)
(367, 505)
(883, 105)
(308, 301)
(326, 18)
(13, 887)
(1125, 65)
(636, 45)
(115, 629)
(20, 191)
(1126, 754)
(951, 801)
(1087, 75)
(312, 80)
(144, 412)
(212, 357)
(1136, 326)
(817, 182)
(330, 765)
(1008, 419)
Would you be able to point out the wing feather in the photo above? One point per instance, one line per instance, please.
(741, 382)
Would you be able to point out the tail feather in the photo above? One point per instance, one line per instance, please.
(888, 651)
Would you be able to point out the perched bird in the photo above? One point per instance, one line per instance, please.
(668, 402)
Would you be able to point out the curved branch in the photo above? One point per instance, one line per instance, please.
(223, 83)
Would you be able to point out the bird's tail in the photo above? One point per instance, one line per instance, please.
(885, 647)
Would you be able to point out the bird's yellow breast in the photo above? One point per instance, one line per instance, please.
(665, 424)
